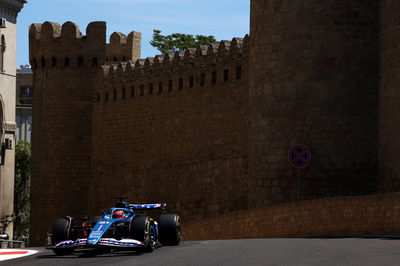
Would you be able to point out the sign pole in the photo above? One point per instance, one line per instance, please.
(300, 157)
(298, 185)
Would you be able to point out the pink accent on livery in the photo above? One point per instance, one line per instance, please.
(102, 242)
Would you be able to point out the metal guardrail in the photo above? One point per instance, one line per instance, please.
(4, 238)
(12, 244)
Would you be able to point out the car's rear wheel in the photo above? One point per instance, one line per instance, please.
(169, 229)
(142, 228)
(62, 230)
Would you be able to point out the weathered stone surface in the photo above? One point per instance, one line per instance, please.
(170, 128)
(362, 215)
(185, 144)
(389, 97)
(208, 130)
(64, 81)
(313, 81)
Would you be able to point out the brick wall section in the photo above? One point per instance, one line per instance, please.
(377, 215)
(389, 97)
(64, 81)
(183, 145)
(313, 81)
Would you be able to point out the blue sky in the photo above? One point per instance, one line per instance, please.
(224, 19)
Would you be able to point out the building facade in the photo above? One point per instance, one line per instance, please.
(9, 10)
(24, 95)
(24, 87)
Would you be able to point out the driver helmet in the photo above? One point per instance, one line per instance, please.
(118, 214)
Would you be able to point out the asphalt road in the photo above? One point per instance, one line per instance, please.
(315, 251)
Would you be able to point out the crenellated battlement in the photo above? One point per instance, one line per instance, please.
(50, 31)
(189, 67)
(52, 45)
(201, 66)
(123, 48)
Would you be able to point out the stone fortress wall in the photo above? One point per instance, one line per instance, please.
(375, 214)
(65, 66)
(181, 119)
(389, 97)
(173, 128)
(314, 81)
(207, 130)
(123, 48)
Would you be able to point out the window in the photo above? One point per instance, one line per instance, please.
(25, 92)
(132, 92)
(80, 61)
(170, 85)
(2, 51)
(150, 88)
(202, 79)
(114, 94)
(238, 72)
(226, 75)
(42, 62)
(160, 87)
(66, 61)
(94, 61)
(180, 83)
(54, 62)
(123, 92)
(106, 97)
(214, 77)
(191, 82)
(141, 90)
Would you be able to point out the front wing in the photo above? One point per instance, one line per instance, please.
(111, 242)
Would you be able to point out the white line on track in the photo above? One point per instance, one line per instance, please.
(9, 254)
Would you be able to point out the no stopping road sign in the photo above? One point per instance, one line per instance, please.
(299, 156)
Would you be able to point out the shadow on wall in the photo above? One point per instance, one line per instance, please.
(363, 215)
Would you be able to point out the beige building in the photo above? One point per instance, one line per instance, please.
(23, 116)
(24, 88)
(9, 10)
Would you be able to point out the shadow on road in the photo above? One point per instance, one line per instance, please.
(90, 254)
(381, 237)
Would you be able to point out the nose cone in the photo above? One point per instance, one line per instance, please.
(98, 230)
(94, 237)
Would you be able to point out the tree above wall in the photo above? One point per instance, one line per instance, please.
(178, 41)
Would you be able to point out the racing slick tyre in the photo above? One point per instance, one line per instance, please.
(169, 227)
(142, 228)
(61, 231)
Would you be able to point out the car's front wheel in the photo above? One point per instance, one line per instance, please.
(142, 228)
(62, 230)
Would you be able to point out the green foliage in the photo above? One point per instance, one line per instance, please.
(22, 190)
(178, 41)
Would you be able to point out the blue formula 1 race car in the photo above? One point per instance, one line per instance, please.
(119, 228)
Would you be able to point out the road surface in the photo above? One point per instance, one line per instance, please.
(288, 251)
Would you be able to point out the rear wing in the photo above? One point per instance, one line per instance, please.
(155, 206)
